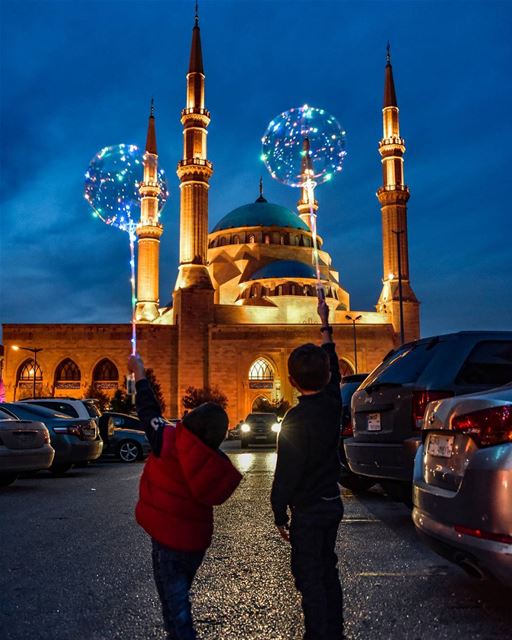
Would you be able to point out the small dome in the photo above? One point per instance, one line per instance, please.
(285, 269)
(260, 214)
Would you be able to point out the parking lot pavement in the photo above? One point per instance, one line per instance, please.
(74, 565)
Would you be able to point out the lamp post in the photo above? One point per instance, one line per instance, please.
(353, 321)
(400, 296)
(35, 351)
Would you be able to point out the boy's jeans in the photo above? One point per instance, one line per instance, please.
(174, 572)
(313, 532)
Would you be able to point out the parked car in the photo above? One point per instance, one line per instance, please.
(388, 408)
(85, 409)
(347, 478)
(234, 433)
(74, 440)
(259, 428)
(128, 445)
(123, 420)
(463, 482)
(24, 446)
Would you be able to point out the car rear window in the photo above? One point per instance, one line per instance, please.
(29, 412)
(347, 391)
(404, 365)
(60, 407)
(92, 409)
(489, 363)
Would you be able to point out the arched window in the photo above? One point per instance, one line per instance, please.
(262, 370)
(222, 241)
(67, 371)
(26, 373)
(281, 239)
(236, 239)
(251, 238)
(267, 238)
(105, 370)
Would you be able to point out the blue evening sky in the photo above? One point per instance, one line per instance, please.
(78, 75)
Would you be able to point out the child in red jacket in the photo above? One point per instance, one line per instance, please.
(184, 476)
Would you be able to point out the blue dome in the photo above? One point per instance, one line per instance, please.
(284, 269)
(260, 214)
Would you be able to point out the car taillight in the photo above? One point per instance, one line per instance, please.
(346, 427)
(484, 535)
(487, 426)
(73, 430)
(420, 399)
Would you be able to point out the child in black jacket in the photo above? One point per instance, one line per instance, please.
(305, 480)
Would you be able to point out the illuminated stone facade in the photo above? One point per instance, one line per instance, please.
(244, 295)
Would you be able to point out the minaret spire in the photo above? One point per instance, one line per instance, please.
(149, 231)
(397, 297)
(151, 135)
(196, 54)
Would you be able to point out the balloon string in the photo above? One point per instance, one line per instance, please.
(131, 233)
(310, 189)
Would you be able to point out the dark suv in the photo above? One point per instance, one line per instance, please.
(259, 428)
(388, 408)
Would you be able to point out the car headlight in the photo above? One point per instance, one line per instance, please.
(276, 427)
(245, 427)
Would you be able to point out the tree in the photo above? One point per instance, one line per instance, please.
(121, 402)
(97, 394)
(194, 397)
(279, 407)
(157, 389)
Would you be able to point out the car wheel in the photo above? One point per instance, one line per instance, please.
(244, 444)
(129, 451)
(59, 469)
(7, 478)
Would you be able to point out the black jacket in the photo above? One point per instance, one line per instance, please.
(308, 466)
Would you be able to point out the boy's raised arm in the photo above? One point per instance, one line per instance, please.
(333, 387)
(148, 409)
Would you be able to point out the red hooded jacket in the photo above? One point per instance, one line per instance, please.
(179, 488)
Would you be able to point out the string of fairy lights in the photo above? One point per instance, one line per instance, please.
(112, 183)
(284, 152)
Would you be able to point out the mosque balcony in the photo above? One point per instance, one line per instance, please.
(393, 187)
(195, 162)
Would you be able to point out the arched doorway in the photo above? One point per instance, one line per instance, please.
(263, 382)
(346, 368)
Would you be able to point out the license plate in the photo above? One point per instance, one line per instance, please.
(261, 437)
(440, 446)
(374, 422)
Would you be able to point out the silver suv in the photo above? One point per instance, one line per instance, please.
(388, 408)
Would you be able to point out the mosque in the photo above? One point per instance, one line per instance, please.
(245, 292)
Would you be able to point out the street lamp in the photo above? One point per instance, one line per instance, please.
(400, 296)
(353, 321)
(35, 351)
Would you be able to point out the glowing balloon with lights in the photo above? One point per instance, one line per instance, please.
(304, 147)
(112, 189)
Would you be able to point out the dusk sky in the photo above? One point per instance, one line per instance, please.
(78, 75)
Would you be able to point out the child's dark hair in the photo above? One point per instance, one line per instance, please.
(308, 365)
(209, 422)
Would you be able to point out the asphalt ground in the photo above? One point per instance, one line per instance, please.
(74, 565)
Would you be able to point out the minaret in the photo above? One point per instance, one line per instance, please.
(194, 172)
(307, 172)
(393, 197)
(193, 297)
(149, 231)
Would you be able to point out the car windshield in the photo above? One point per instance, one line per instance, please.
(402, 366)
(29, 411)
(262, 417)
